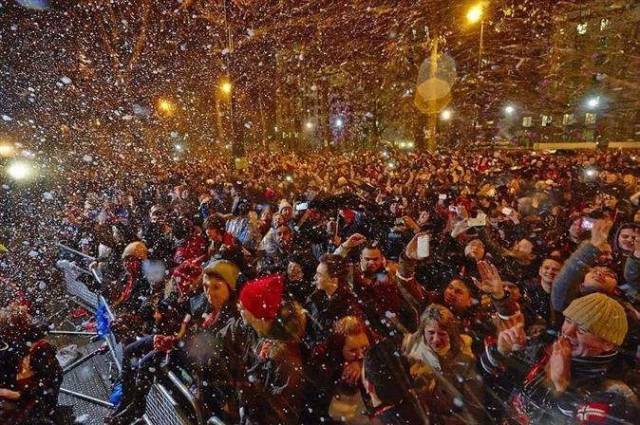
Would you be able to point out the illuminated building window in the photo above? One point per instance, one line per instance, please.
(604, 24)
(568, 119)
(582, 28)
(589, 118)
(604, 42)
(527, 121)
(546, 120)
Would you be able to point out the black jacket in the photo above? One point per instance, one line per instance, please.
(324, 311)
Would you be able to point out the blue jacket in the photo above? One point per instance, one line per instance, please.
(631, 285)
(567, 285)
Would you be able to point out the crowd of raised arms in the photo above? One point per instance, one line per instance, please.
(370, 287)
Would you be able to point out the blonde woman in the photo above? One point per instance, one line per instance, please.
(444, 367)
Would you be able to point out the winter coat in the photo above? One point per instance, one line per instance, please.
(388, 298)
(400, 414)
(131, 292)
(619, 255)
(160, 244)
(245, 232)
(631, 287)
(447, 378)
(567, 284)
(594, 392)
(324, 382)
(383, 303)
(324, 311)
(38, 388)
(536, 302)
(271, 391)
(218, 351)
(190, 249)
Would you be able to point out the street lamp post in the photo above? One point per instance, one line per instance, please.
(237, 142)
(474, 15)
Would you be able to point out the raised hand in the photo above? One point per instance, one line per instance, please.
(490, 280)
(354, 240)
(411, 250)
(560, 364)
(512, 339)
(600, 234)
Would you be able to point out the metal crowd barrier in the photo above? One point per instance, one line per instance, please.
(162, 407)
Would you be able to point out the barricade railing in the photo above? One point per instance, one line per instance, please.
(161, 399)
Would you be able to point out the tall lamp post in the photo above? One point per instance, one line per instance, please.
(475, 14)
(237, 142)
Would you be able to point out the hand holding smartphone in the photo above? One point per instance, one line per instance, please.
(422, 250)
(587, 223)
(302, 206)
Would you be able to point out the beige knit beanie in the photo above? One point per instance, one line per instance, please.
(601, 315)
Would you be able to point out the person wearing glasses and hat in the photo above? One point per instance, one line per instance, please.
(576, 379)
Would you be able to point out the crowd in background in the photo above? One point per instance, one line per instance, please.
(367, 287)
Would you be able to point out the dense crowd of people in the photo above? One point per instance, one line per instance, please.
(367, 287)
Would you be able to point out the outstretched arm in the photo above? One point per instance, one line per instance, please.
(566, 287)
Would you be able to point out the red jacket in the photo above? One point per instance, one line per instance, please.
(190, 249)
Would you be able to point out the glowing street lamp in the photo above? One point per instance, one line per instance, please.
(591, 172)
(19, 170)
(446, 115)
(226, 87)
(309, 125)
(475, 13)
(7, 150)
(339, 122)
(165, 106)
(509, 110)
(593, 102)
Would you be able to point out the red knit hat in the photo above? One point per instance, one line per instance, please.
(262, 297)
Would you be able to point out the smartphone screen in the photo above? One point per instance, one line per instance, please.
(302, 206)
(587, 223)
(442, 196)
(423, 246)
(507, 211)
(477, 221)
